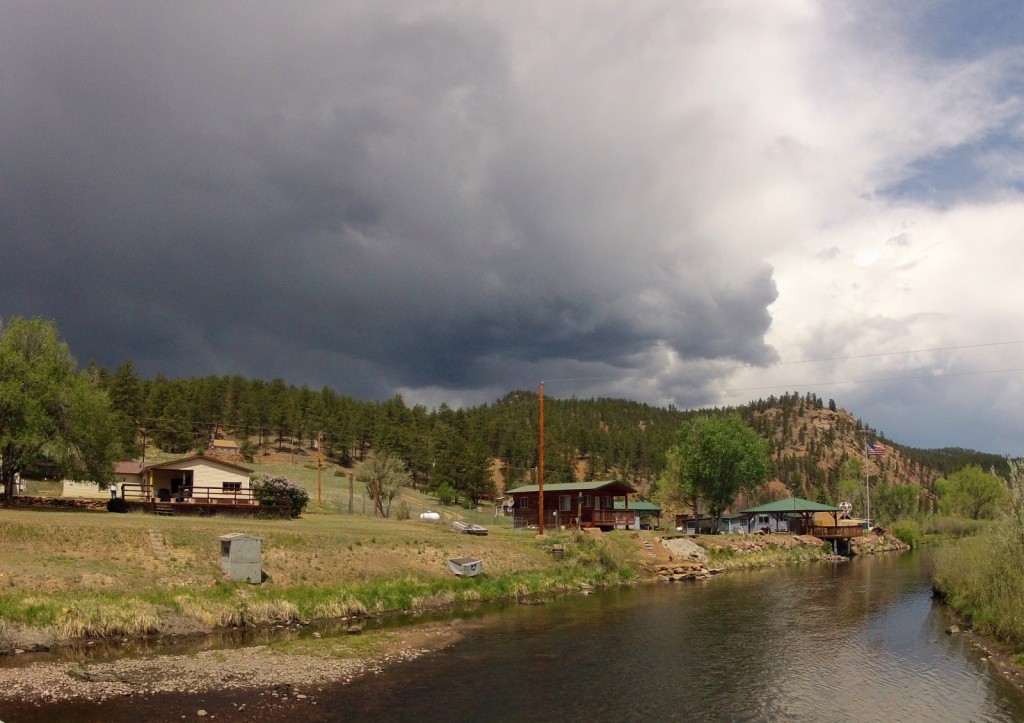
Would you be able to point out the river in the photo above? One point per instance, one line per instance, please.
(857, 641)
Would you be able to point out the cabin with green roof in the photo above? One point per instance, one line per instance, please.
(573, 505)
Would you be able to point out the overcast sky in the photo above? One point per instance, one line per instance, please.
(697, 203)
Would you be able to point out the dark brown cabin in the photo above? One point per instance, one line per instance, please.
(576, 505)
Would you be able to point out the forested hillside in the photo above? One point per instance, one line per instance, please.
(818, 450)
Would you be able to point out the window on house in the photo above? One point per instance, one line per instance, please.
(231, 486)
(564, 503)
(588, 501)
(762, 519)
(524, 502)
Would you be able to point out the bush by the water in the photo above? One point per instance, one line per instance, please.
(280, 490)
(908, 532)
(981, 576)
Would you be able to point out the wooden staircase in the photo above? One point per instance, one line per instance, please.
(165, 509)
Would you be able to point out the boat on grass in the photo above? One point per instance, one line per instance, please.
(465, 566)
(468, 529)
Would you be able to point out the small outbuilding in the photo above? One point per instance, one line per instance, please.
(241, 556)
(646, 515)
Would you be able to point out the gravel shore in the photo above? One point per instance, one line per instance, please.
(288, 674)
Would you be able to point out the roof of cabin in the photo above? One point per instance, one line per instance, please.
(791, 504)
(176, 463)
(594, 486)
(638, 505)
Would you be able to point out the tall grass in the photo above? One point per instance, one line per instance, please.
(99, 618)
(953, 527)
(981, 576)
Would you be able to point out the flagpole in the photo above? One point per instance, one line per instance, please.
(867, 479)
(870, 450)
(867, 476)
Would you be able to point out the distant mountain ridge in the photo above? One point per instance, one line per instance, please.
(814, 445)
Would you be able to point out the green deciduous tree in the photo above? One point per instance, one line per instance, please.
(383, 474)
(893, 502)
(972, 492)
(718, 457)
(48, 409)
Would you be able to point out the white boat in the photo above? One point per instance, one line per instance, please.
(465, 566)
(468, 529)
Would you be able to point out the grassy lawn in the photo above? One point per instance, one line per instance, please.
(78, 573)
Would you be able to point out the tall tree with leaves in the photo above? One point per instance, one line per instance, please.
(718, 457)
(972, 492)
(383, 474)
(48, 409)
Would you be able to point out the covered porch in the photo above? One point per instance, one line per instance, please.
(804, 517)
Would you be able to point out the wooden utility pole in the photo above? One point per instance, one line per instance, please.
(540, 469)
(319, 471)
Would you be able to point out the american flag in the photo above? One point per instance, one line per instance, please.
(876, 449)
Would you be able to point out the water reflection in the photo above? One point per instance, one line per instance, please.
(854, 642)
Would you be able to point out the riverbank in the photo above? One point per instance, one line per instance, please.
(870, 623)
(73, 576)
(979, 578)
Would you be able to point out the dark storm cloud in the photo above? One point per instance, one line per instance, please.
(362, 195)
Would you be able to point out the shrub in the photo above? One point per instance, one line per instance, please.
(907, 532)
(446, 495)
(280, 490)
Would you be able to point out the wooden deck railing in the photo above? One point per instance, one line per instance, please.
(604, 518)
(842, 532)
(189, 495)
(591, 518)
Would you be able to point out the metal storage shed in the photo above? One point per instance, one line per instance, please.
(241, 556)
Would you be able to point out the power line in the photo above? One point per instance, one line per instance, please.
(898, 353)
(824, 359)
(876, 380)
